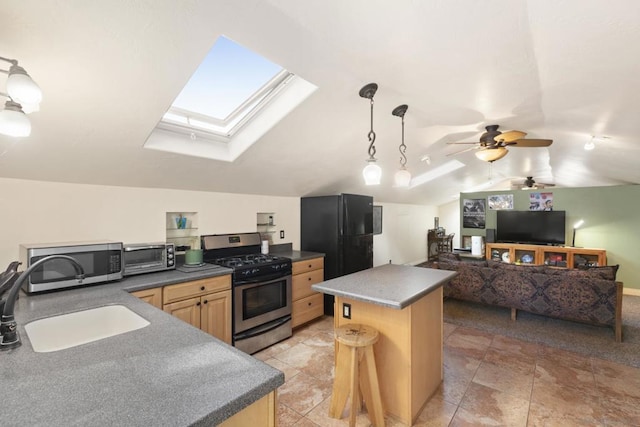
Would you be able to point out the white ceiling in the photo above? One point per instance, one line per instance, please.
(563, 70)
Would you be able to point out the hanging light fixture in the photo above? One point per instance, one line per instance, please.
(372, 172)
(491, 154)
(22, 91)
(402, 177)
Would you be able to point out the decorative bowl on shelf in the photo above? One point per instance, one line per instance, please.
(526, 258)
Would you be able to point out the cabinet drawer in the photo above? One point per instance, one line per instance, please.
(307, 309)
(301, 283)
(308, 265)
(194, 288)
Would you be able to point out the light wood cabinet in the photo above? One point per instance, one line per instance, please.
(151, 296)
(259, 414)
(204, 303)
(307, 303)
(555, 256)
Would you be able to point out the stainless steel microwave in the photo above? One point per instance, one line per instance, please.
(142, 258)
(102, 262)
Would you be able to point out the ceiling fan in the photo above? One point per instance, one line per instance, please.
(493, 143)
(529, 184)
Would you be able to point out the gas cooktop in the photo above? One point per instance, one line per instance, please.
(250, 259)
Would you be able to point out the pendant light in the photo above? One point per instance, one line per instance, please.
(372, 172)
(402, 177)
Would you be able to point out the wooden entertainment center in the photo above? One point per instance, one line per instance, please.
(555, 256)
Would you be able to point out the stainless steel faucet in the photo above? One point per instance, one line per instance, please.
(9, 336)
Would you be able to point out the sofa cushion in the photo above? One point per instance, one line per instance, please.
(607, 272)
(525, 268)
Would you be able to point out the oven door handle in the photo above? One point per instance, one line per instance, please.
(263, 279)
(262, 329)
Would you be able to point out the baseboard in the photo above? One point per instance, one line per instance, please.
(420, 261)
(631, 291)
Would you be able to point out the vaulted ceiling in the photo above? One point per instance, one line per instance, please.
(562, 70)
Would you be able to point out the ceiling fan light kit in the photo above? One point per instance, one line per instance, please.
(491, 154)
(22, 91)
(492, 144)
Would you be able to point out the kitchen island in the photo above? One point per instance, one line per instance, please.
(404, 304)
(167, 373)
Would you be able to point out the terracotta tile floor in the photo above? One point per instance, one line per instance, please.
(488, 380)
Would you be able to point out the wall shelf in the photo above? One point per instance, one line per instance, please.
(182, 230)
(265, 225)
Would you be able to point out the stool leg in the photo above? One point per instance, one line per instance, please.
(340, 382)
(355, 395)
(371, 388)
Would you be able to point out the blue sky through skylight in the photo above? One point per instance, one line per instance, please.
(227, 77)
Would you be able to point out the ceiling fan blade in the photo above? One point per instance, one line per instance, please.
(531, 143)
(510, 136)
(463, 151)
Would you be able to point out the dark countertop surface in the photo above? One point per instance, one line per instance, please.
(165, 374)
(389, 285)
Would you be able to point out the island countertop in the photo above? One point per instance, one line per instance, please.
(389, 285)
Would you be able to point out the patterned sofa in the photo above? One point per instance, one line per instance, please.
(590, 296)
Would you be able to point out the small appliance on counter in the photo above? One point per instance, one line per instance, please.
(102, 262)
(140, 258)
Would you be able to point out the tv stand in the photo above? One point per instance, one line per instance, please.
(555, 256)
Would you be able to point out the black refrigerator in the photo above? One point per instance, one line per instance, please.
(342, 228)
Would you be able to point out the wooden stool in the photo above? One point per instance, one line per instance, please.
(355, 351)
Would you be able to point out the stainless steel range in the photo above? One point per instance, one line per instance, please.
(261, 289)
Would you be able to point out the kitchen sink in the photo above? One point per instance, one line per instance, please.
(81, 327)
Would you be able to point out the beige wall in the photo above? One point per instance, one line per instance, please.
(404, 233)
(43, 212)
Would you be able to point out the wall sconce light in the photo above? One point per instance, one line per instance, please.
(23, 94)
(402, 177)
(577, 225)
(590, 145)
(372, 172)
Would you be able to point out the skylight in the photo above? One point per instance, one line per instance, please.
(232, 99)
(444, 169)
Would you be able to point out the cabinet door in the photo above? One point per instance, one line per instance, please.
(216, 315)
(187, 310)
(151, 296)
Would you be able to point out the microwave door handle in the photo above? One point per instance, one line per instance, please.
(137, 248)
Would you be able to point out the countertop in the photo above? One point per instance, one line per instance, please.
(298, 255)
(389, 285)
(165, 374)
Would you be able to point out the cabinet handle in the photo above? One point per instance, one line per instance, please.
(309, 279)
(202, 288)
(309, 304)
(198, 303)
(309, 265)
(205, 301)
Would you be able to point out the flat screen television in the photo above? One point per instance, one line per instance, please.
(534, 227)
